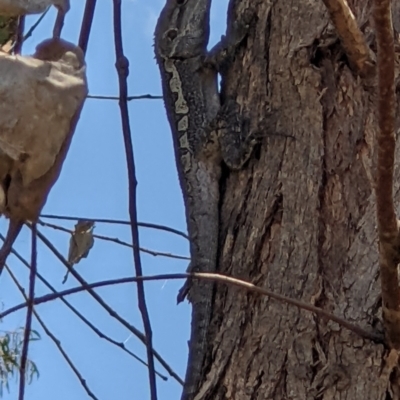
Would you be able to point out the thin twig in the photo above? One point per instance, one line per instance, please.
(17, 47)
(129, 98)
(353, 41)
(28, 323)
(86, 24)
(388, 231)
(142, 249)
(81, 316)
(136, 332)
(118, 241)
(14, 228)
(122, 66)
(118, 222)
(366, 334)
(66, 357)
(35, 25)
(54, 339)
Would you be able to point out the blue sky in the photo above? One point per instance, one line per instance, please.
(93, 183)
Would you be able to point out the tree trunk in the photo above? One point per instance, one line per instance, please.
(299, 218)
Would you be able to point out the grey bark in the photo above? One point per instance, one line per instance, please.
(299, 219)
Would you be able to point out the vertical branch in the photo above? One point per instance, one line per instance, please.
(86, 24)
(353, 41)
(28, 323)
(122, 66)
(20, 36)
(386, 217)
(59, 24)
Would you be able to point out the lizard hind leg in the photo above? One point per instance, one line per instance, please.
(238, 135)
(236, 138)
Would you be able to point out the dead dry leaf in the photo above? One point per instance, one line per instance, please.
(23, 7)
(40, 101)
(80, 243)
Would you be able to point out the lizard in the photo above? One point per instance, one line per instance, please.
(192, 101)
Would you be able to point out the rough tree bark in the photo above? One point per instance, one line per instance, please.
(299, 219)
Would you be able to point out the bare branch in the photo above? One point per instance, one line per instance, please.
(120, 222)
(34, 26)
(86, 24)
(366, 334)
(66, 357)
(357, 50)
(136, 332)
(388, 231)
(118, 241)
(54, 339)
(59, 24)
(129, 98)
(81, 316)
(122, 66)
(28, 323)
(17, 46)
(14, 228)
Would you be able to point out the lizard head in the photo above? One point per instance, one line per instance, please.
(182, 30)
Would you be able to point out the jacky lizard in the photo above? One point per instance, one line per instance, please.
(192, 101)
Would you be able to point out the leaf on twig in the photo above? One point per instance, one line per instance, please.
(10, 357)
(80, 243)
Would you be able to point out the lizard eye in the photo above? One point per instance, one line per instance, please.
(172, 34)
(180, 2)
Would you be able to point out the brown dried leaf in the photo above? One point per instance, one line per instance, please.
(40, 101)
(80, 243)
(23, 7)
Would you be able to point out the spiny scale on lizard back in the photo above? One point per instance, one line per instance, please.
(201, 96)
